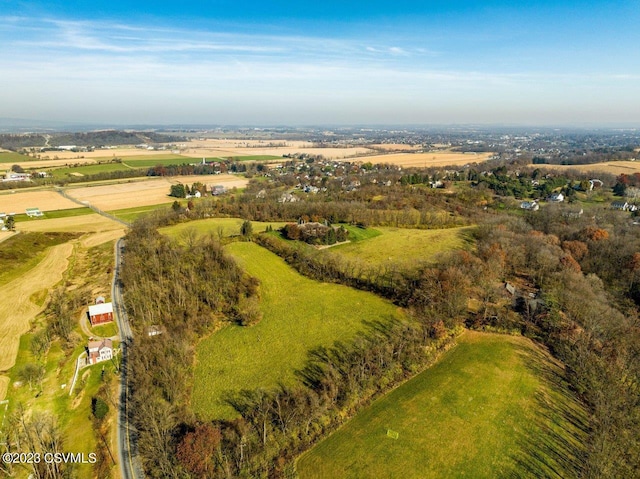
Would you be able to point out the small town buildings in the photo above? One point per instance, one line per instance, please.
(100, 313)
(99, 351)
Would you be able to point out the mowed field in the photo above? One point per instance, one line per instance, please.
(145, 192)
(46, 200)
(18, 306)
(402, 246)
(611, 167)
(494, 406)
(228, 226)
(425, 160)
(299, 314)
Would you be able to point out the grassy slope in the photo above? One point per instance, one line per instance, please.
(22, 252)
(230, 227)
(131, 214)
(401, 244)
(495, 406)
(299, 314)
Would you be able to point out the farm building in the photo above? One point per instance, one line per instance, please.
(556, 198)
(11, 176)
(100, 351)
(34, 212)
(100, 313)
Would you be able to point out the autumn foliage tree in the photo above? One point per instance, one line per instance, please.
(197, 450)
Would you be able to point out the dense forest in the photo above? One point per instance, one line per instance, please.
(577, 292)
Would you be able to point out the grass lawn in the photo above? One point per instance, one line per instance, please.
(104, 330)
(494, 406)
(131, 214)
(400, 245)
(299, 314)
(230, 227)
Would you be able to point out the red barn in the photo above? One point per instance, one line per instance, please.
(100, 313)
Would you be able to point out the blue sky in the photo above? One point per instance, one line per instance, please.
(292, 63)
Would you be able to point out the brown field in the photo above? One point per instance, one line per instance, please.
(395, 147)
(329, 153)
(435, 158)
(51, 163)
(46, 200)
(611, 167)
(86, 223)
(145, 193)
(16, 314)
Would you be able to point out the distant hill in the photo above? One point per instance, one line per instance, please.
(93, 138)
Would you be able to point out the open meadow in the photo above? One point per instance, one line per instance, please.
(493, 406)
(214, 226)
(429, 159)
(401, 247)
(92, 223)
(299, 314)
(145, 192)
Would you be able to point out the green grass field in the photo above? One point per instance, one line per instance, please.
(82, 211)
(131, 214)
(150, 161)
(12, 157)
(88, 170)
(299, 314)
(400, 245)
(230, 227)
(494, 406)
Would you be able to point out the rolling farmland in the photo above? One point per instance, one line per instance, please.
(145, 192)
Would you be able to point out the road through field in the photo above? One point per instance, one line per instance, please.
(17, 309)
